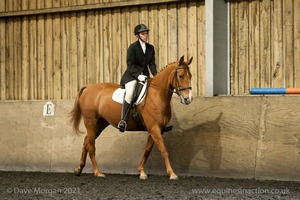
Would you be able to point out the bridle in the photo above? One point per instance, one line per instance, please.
(175, 84)
(178, 88)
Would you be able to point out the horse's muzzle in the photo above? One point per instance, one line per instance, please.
(186, 99)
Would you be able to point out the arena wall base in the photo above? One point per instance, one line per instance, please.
(233, 137)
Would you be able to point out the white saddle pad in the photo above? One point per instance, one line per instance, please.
(118, 94)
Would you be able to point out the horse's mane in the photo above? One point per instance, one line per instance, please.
(167, 66)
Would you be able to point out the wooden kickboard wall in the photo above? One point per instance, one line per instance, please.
(50, 49)
(264, 43)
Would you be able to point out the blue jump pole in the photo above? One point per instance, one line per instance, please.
(268, 91)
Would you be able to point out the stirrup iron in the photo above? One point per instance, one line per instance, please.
(122, 125)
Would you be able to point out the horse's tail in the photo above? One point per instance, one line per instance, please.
(76, 113)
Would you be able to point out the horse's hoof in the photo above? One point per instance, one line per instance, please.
(173, 177)
(101, 175)
(143, 177)
(77, 172)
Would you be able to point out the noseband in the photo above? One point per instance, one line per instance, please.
(178, 88)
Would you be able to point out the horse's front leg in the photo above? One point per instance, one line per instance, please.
(148, 149)
(158, 140)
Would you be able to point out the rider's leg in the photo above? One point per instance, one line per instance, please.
(129, 87)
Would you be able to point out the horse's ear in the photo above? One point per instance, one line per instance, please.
(181, 60)
(191, 59)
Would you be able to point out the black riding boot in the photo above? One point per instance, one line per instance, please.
(125, 110)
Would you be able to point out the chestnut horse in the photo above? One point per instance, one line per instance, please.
(95, 105)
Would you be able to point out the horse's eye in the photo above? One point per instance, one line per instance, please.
(180, 76)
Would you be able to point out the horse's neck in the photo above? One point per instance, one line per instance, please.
(162, 82)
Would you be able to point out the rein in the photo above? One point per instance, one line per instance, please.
(169, 90)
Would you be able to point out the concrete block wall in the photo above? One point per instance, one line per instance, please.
(237, 137)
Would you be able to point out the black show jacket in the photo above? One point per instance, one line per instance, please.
(138, 62)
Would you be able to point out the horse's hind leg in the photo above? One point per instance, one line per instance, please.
(91, 150)
(148, 149)
(93, 131)
(82, 162)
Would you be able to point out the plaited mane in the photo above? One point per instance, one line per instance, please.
(167, 66)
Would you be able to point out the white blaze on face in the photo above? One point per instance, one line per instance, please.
(190, 96)
(186, 98)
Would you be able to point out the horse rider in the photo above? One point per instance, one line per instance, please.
(140, 58)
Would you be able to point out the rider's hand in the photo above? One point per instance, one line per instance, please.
(142, 77)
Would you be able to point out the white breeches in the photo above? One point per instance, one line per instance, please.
(129, 90)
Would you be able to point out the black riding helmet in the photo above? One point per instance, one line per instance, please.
(140, 28)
